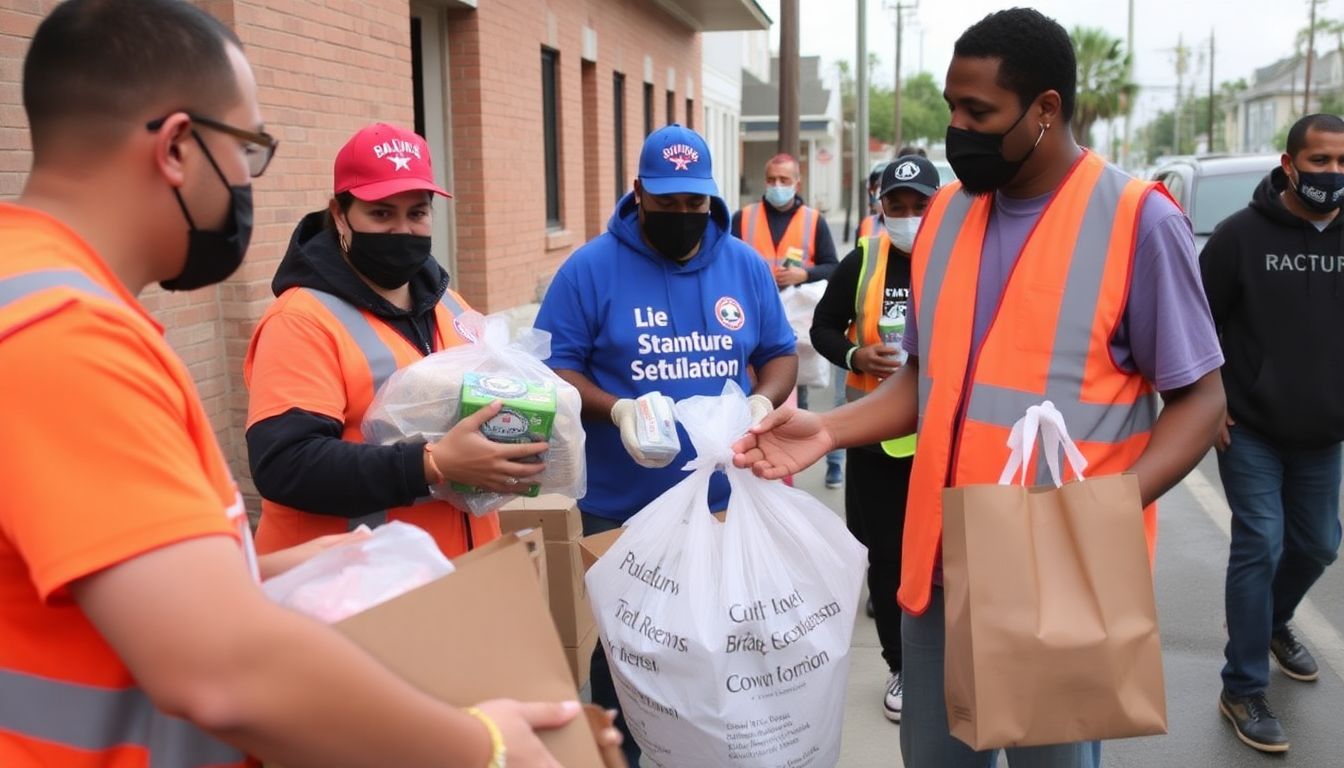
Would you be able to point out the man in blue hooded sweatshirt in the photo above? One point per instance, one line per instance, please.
(665, 301)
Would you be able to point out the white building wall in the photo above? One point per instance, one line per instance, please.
(721, 77)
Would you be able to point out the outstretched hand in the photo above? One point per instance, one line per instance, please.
(786, 442)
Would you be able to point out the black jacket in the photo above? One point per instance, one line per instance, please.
(298, 458)
(1276, 289)
(823, 247)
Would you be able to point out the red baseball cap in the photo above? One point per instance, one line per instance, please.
(383, 160)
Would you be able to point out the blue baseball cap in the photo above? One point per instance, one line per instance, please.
(675, 161)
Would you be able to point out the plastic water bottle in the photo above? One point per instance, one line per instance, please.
(891, 329)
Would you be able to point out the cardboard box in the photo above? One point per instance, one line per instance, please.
(557, 516)
(536, 549)
(581, 658)
(458, 639)
(568, 592)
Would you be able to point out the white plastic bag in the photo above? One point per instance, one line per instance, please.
(421, 400)
(800, 302)
(354, 577)
(729, 642)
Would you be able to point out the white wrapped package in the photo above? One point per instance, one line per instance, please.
(421, 401)
(356, 576)
(729, 642)
(800, 303)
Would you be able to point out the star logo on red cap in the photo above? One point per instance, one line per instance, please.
(400, 163)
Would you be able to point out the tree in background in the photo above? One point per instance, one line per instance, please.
(1104, 88)
(1158, 137)
(923, 111)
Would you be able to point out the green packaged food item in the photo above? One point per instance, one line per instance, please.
(527, 416)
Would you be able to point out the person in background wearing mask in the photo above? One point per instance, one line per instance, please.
(358, 297)
(871, 283)
(1044, 273)
(1272, 275)
(132, 629)
(665, 301)
(873, 221)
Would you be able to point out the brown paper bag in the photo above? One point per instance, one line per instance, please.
(1050, 616)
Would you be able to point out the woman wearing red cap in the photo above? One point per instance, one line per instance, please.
(358, 297)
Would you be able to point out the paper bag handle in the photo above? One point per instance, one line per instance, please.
(1046, 420)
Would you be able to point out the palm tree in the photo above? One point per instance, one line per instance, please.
(1104, 89)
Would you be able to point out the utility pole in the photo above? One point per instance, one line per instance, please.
(900, 8)
(788, 77)
(1311, 54)
(861, 112)
(1212, 96)
(1129, 77)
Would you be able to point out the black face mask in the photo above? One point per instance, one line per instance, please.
(389, 259)
(674, 234)
(214, 255)
(1319, 191)
(977, 158)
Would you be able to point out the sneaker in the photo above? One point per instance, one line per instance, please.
(868, 609)
(1292, 657)
(895, 697)
(834, 477)
(1254, 723)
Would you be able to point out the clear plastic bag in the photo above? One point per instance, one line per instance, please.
(354, 577)
(729, 642)
(421, 401)
(800, 303)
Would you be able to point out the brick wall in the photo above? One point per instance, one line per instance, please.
(326, 69)
(505, 254)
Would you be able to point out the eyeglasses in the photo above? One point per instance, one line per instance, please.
(260, 145)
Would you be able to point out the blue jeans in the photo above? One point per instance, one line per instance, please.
(599, 675)
(1285, 531)
(926, 738)
(834, 458)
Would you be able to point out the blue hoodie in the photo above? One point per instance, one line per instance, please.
(634, 322)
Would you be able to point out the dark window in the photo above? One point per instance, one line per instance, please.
(671, 107)
(417, 76)
(648, 108)
(618, 115)
(550, 119)
(690, 114)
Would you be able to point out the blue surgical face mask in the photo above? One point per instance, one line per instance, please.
(780, 196)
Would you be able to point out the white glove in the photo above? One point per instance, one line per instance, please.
(623, 416)
(760, 408)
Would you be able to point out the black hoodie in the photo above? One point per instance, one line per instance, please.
(1276, 289)
(298, 458)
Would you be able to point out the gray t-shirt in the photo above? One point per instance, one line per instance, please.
(1166, 333)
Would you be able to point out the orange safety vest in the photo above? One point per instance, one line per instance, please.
(368, 351)
(868, 299)
(1049, 339)
(70, 720)
(801, 234)
(869, 225)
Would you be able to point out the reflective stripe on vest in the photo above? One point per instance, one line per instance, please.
(382, 363)
(872, 277)
(85, 717)
(17, 287)
(95, 719)
(1053, 343)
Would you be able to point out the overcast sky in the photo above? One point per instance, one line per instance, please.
(1248, 33)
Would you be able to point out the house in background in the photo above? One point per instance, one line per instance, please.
(819, 135)
(726, 56)
(1273, 102)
